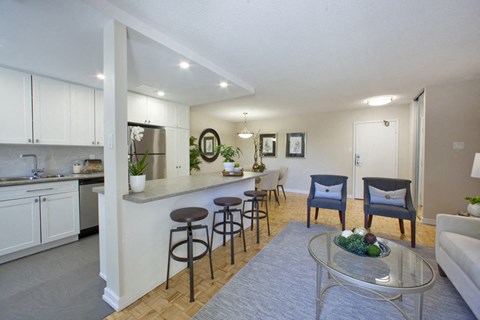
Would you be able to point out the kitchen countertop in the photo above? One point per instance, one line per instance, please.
(68, 177)
(171, 187)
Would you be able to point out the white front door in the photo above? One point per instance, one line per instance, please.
(375, 151)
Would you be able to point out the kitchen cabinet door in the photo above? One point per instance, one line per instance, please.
(137, 107)
(99, 118)
(178, 151)
(51, 111)
(155, 111)
(82, 123)
(19, 224)
(15, 107)
(59, 215)
(183, 116)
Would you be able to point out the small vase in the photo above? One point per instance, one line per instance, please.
(474, 209)
(137, 183)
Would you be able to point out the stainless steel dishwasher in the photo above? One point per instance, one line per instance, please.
(89, 206)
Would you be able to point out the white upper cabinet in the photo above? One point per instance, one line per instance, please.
(137, 107)
(99, 118)
(82, 124)
(51, 111)
(178, 152)
(155, 111)
(15, 107)
(148, 110)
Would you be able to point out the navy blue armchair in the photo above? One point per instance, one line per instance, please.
(326, 202)
(384, 208)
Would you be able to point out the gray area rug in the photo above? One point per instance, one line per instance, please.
(279, 283)
(61, 283)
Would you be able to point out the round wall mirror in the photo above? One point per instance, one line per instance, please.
(208, 143)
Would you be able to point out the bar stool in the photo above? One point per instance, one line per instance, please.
(189, 215)
(256, 196)
(226, 203)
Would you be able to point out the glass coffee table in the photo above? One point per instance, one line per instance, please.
(402, 271)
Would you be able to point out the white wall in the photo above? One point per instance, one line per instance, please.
(329, 139)
(225, 129)
(55, 159)
(452, 114)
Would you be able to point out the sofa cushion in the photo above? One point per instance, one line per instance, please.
(465, 251)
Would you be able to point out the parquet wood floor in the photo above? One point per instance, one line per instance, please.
(174, 302)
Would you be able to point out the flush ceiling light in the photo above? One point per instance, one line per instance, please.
(245, 134)
(184, 65)
(379, 101)
(101, 76)
(160, 93)
(223, 84)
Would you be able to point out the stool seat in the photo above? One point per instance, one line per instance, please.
(255, 193)
(189, 214)
(227, 201)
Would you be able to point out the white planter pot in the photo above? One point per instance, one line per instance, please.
(137, 183)
(474, 209)
(228, 166)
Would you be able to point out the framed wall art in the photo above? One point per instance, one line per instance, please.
(295, 145)
(268, 143)
(208, 146)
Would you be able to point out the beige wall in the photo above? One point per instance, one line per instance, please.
(225, 129)
(329, 141)
(452, 114)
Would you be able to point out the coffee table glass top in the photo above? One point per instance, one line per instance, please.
(401, 269)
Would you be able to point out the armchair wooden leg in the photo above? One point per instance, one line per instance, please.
(341, 214)
(368, 220)
(412, 229)
(402, 228)
(316, 213)
(308, 217)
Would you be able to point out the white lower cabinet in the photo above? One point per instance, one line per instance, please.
(37, 214)
(20, 224)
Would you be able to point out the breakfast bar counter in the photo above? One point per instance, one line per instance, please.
(171, 187)
(143, 236)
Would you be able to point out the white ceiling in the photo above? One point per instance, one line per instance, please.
(298, 56)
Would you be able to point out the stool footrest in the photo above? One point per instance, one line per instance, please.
(227, 232)
(194, 258)
(249, 214)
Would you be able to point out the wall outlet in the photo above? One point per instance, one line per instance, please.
(92, 156)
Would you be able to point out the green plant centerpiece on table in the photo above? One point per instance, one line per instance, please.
(228, 153)
(360, 242)
(473, 205)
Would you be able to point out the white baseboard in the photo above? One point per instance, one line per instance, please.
(432, 222)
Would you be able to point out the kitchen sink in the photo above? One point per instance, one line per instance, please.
(50, 176)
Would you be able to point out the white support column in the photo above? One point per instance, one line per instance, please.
(115, 155)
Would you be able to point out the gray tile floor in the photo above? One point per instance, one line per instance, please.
(61, 283)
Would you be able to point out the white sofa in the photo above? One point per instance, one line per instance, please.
(457, 250)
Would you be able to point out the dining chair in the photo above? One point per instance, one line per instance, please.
(269, 183)
(282, 178)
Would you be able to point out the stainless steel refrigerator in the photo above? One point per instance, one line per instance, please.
(153, 141)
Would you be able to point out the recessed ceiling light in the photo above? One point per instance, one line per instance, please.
(100, 76)
(223, 84)
(160, 93)
(184, 65)
(379, 101)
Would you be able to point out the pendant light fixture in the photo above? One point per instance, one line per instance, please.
(245, 134)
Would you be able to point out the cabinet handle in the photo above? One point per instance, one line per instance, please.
(93, 142)
(98, 142)
(145, 121)
(44, 199)
(30, 140)
(35, 190)
(36, 200)
(37, 140)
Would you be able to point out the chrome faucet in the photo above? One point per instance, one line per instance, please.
(35, 169)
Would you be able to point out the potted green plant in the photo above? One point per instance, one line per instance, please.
(228, 153)
(473, 205)
(136, 167)
(194, 155)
